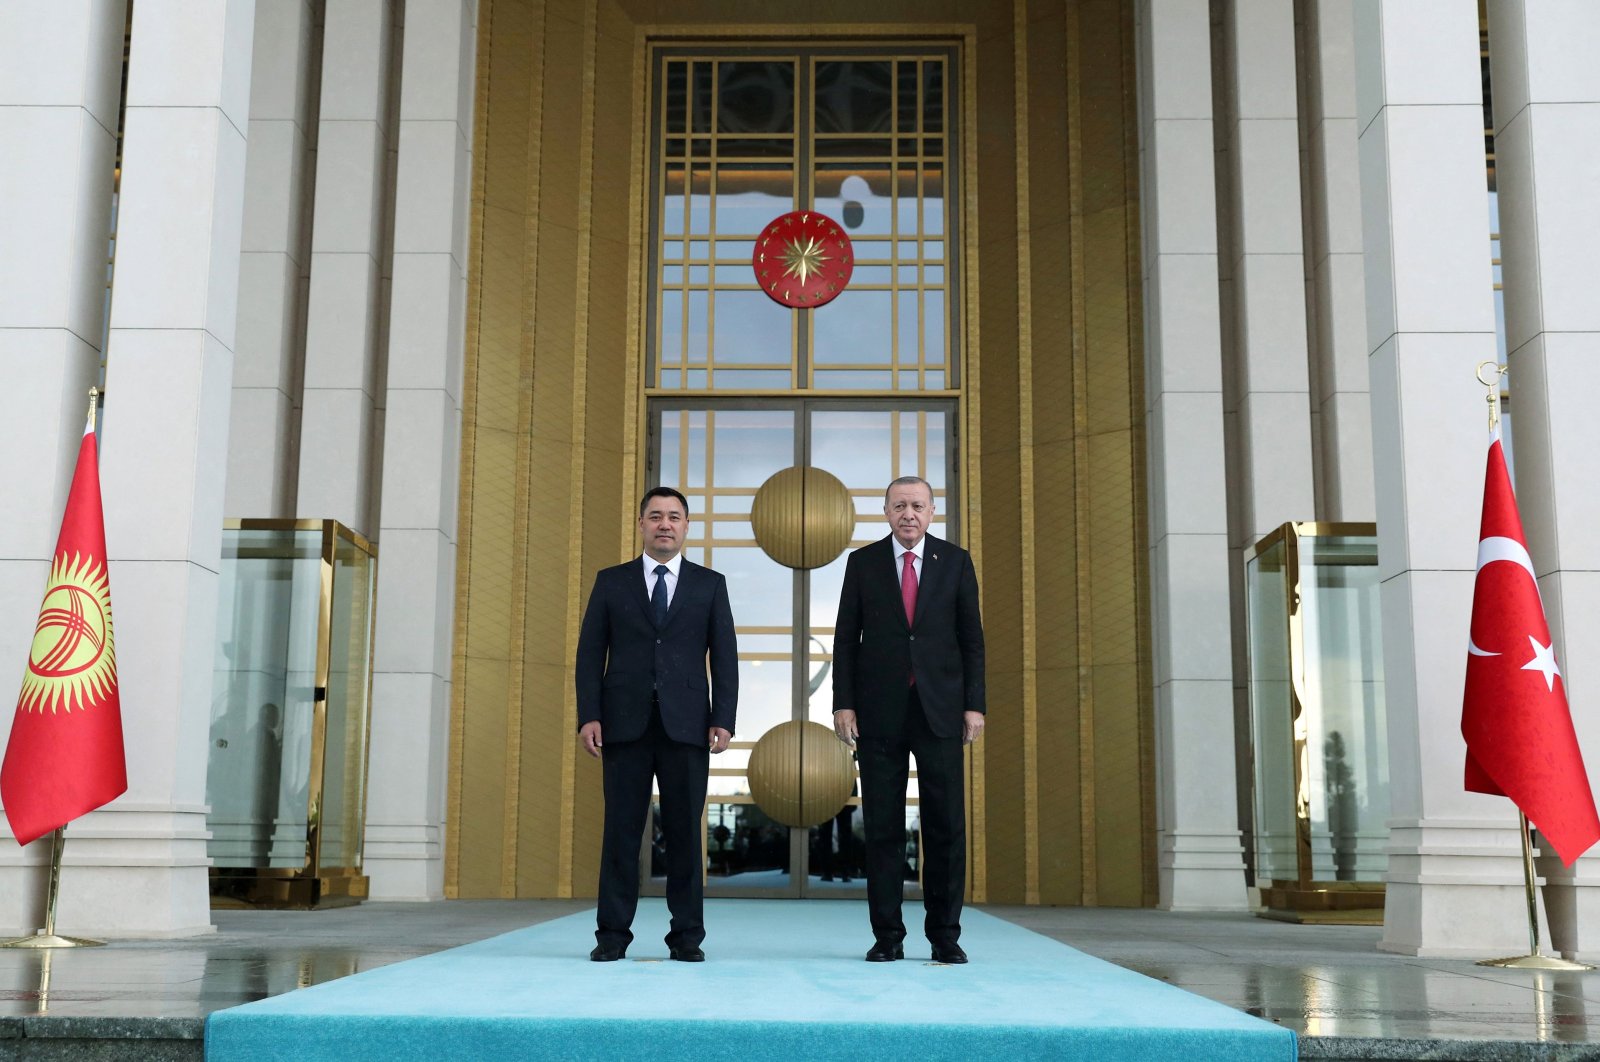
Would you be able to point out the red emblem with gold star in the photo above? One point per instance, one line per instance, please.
(803, 259)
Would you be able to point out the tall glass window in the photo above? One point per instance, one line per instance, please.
(864, 139)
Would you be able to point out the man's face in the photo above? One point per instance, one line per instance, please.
(663, 527)
(909, 510)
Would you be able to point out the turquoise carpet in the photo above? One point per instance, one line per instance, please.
(784, 980)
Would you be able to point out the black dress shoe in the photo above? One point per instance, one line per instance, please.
(607, 952)
(950, 954)
(883, 951)
(687, 953)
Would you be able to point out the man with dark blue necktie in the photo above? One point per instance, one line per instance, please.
(646, 710)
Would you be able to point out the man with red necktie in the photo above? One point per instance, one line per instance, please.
(908, 682)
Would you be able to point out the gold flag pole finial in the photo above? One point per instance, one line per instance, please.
(1495, 370)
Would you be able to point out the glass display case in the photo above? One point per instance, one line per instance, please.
(1320, 768)
(286, 776)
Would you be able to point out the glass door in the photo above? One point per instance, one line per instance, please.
(741, 387)
(719, 453)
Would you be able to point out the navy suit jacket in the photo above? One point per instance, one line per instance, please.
(624, 659)
(875, 651)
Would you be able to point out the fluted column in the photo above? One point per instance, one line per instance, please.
(1547, 149)
(169, 375)
(60, 82)
(1454, 882)
(1198, 843)
(421, 454)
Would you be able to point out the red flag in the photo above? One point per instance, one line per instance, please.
(1520, 741)
(65, 755)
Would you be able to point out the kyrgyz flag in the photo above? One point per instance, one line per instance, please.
(1520, 741)
(65, 754)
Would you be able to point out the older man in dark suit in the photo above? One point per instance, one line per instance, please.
(650, 628)
(908, 681)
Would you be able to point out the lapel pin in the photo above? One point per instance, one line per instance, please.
(935, 556)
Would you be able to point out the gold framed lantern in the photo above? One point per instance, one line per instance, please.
(1320, 771)
(286, 773)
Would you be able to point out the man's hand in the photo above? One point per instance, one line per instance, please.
(718, 739)
(844, 725)
(589, 734)
(971, 727)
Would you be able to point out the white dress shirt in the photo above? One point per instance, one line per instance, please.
(671, 576)
(916, 565)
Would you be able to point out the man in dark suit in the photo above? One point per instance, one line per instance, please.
(908, 681)
(650, 628)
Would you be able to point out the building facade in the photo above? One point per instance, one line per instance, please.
(1136, 282)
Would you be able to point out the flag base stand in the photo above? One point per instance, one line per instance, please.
(1536, 959)
(52, 940)
(49, 938)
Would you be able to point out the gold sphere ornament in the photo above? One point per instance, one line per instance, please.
(803, 517)
(800, 773)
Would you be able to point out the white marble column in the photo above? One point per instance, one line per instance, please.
(169, 374)
(348, 256)
(1547, 147)
(1340, 400)
(60, 86)
(1268, 353)
(1199, 856)
(1454, 882)
(421, 454)
(274, 261)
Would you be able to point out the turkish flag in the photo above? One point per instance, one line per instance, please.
(1520, 741)
(65, 755)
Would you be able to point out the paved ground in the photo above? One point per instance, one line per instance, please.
(1328, 983)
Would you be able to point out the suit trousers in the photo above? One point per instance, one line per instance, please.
(885, 770)
(627, 768)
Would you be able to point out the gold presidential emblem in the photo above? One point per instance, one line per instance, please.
(73, 662)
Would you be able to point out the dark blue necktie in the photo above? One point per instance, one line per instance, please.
(658, 596)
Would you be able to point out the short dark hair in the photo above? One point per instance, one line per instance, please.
(662, 492)
(907, 481)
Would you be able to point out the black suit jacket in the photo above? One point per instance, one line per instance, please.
(623, 658)
(876, 651)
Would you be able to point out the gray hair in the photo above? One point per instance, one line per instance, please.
(907, 481)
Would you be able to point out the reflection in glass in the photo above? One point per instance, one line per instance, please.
(757, 96)
(348, 700)
(1317, 707)
(855, 329)
(1348, 757)
(1272, 715)
(749, 195)
(853, 96)
(837, 848)
(751, 329)
(258, 771)
(857, 195)
(744, 848)
(751, 444)
(766, 693)
(286, 766)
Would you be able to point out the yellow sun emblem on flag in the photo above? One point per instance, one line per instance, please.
(73, 663)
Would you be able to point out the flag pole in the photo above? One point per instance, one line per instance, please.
(1536, 959)
(49, 938)
(1489, 373)
(58, 840)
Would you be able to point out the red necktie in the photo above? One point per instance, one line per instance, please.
(908, 595)
(908, 586)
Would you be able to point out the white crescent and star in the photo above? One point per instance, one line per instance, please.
(1499, 548)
